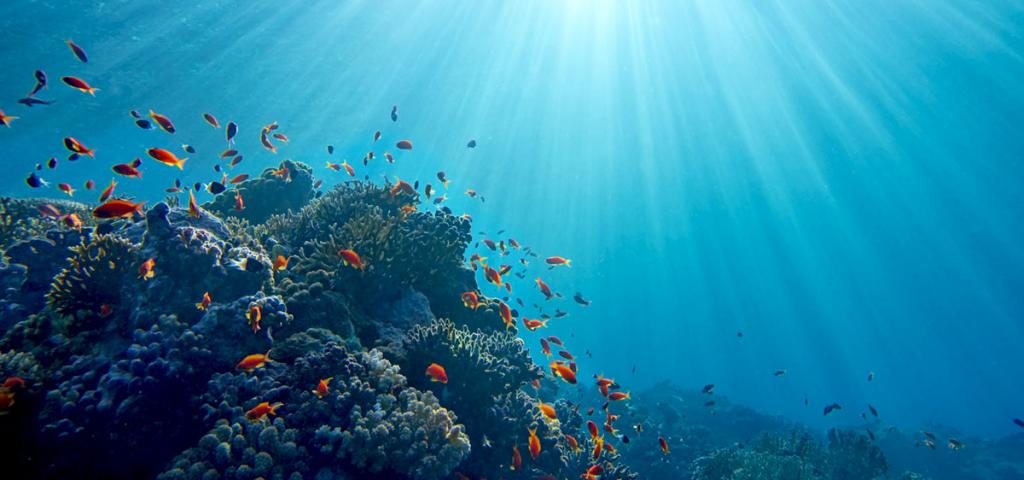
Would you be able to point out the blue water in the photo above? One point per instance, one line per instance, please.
(839, 181)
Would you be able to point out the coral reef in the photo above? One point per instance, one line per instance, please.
(268, 194)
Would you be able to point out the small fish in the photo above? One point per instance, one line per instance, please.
(52, 163)
(404, 145)
(348, 168)
(265, 141)
(166, 157)
(89, 184)
(188, 148)
(471, 144)
(376, 136)
(545, 348)
(193, 207)
(205, 302)
(350, 258)
(955, 444)
(144, 124)
(873, 410)
(12, 383)
(557, 261)
(779, 373)
(471, 300)
(831, 408)
(322, 388)
(390, 158)
(547, 410)
(544, 289)
(162, 120)
(215, 188)
(517, 459)
(230, 131)
(117, 209)
(235, 161)
(443, 178)
(260, 411)
(128, 169)
(437, 373)
(28, 102)
(134, 113)
(107, 192)
(211, 120)
(534, 444)
(533, 325)
(330, 149)
(561, 370)
(598, 448)
(80, 85)
(240, 205)
(48, 210)
(506, 315)
(72, 220)
(871, 376)
(664, 445)
(217, 168)
(147, 269)
(40, 77)
(78, 51)
(394, 113)
(254, 316)
(281, 263)
(66, 188)
(708, 389)
(574, 444)
(73, 145)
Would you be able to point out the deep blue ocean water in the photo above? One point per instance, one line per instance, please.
(839, 181)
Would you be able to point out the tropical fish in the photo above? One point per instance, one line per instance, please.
(402, 186)
(211, 120)
(517, 459)
(557, 261)
(215, 188)
(28, 102)
(265, 141)
(48, 210)
(166, 157)
(506, 315)
(871, 376)
(492, 275)
(833, 407)
(873, 410)
(555, 340)
(239, 179)
(1018, 422)
(598, 447)
(12, 383)
(143, 124)
(547, 410)
(561, 370)
(254, 315)
(471, 300)
(6, 401)
(107, 192)
(394, 113)
(146, 270)
(443, 178)
(193, 207)
(117, 209)
(40, 77)
(240, 205)
(593, 472)
(80, 85)
(330, 149)
(779, 373)
(281, 263)
(205, 302)
(534, 443)
(128, 169)
(566, 355)
(78, 51)
(321, 388)
(544, 289)
(617, 396)
(350, 258)
(260, 411)
(73, 145)
(388, 157)
(66, 188)
(664, 445)
(437, 373)
(545, 348)
(533, 325)
(230, 131)
(572, 442)
(348, 168)
(708, 389)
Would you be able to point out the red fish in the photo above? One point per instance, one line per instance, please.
(506, 315)
(334, 166)
(239, 179)
(350, 258)
(254, 361)
(5, 120)
(572, 442)
(6, 401)
(616, 396)
(533, 325)
(557, 261)
(66, 188)
(266, 143)
(205, 302)
(437, 373)
(404, 145)
(212, 120)
(127, 170)
(534, 444)
(117, 209)
(598, 447)
(72, 144)
(471, 300)
(555, 340)
(166, 157)
(89, 184)
(228, 153)
(402, 186)
(78, 51)
(254, 316)
(13, 382)
(348, 168)
(80, 85)
(664, 445)
(146, 270)
(240, 205)
(282, 137)
(260, 411)
(322, 389)
(545, 348)
(193, 207)
(517, 459)
(563, 371)
(544, 289)
(592, 428)
(162, 120)
(492, 275)
(566, 355)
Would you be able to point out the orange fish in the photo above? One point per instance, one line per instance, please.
(616, 396)
(239, 179)
(5, 120)
(547, 410)
(321, 388)
(72, 144)
(544, 289)
(254, 361)
(534, 444)
(506, 315)
(350, 258)
(572, 442)
(609, 448)
(348, 168)
(535, 383)
(260, 411)
(205, 302)
(471, 300)
(162, 120)
(281, 263)
(544, 347)
(593, 473)
(193, 207)
(401, 186)
(13, 382)
(146, 271)
(128, 169)
(334, 166)
(80, 85)
(533, 325)
(517, 459)
(562, 371)
(240, 205)
(437, 373)
(72, 220)
(664, 444)
(592, 428)
(254, 315)
(167, 158)
(557, 261)
(492, 275)
(283, 173)
(598, 447)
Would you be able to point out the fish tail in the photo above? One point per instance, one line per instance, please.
(181, 163)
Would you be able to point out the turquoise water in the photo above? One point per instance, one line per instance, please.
(840, 182)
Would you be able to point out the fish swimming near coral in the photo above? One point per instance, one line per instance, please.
(254, 361)
(437, 373)
(260, 411)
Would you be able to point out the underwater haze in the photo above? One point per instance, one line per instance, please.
(808, 206)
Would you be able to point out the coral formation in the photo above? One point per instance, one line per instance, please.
(268, 194)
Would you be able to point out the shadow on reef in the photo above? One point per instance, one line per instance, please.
(131, 376)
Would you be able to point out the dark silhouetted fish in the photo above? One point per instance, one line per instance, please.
(580, 300)
(708, 389)
(394, 113)
(471, 144)
(30, 101)
(35, 181)
(831, 408)
(330, 149)
(144, 124)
